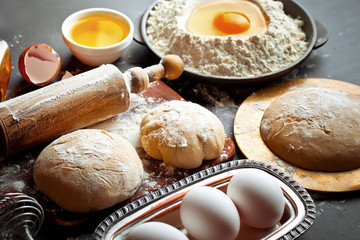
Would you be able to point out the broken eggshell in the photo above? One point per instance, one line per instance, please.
(39, 64)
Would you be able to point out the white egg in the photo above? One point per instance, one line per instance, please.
(209, 214)
(155, 231)
(258, 197)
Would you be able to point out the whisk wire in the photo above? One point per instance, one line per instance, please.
(21, 216)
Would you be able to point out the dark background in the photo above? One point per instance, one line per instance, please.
(24, 22)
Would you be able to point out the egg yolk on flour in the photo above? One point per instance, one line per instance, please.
(99, 31)
(238, 18)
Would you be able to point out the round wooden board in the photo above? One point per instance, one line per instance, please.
(247, 135)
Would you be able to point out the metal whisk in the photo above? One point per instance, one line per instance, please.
(21, 216)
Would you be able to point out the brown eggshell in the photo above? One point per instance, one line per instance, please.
(39, 64)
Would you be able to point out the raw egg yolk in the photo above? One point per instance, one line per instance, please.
(232, 22)
(240, 19)
(99, 31)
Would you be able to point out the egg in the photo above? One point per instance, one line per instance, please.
(39, 64)
(240, 19)
(209, 214)
(258, 197)
(231, 22)
(155, 231)
(99, 30)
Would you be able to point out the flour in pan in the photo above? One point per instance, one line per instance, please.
(283, 43)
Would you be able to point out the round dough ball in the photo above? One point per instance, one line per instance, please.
(314, 128)
(182, 134)
(88, 170)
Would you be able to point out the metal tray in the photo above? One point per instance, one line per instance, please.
(316, 34)
(163, 204)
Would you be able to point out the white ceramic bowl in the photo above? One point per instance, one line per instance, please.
(95, 56)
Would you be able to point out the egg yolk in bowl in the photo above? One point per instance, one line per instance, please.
(240, 19)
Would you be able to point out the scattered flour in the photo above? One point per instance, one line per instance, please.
(282, 44)
(326, 205)
(260, 106)
(14, 174)
(127, 124)
(19, 185)
(16, 40)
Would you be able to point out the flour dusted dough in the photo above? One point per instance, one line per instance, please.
(88, 170)
(182, 134)
(315, 128)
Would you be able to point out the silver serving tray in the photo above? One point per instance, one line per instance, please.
(163, 204)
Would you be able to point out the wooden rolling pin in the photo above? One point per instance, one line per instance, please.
(77, 102)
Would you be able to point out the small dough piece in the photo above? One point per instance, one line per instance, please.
(88, 170)
(182, 134)
(314, 128)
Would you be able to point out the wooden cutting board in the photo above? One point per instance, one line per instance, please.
(16, 171)
(247, 135)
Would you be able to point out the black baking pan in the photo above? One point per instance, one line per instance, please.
(315, 32)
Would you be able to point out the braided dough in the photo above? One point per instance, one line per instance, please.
(182, 134)
(88, 170)
(314, 128)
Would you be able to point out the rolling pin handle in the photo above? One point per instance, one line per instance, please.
(174, 66)
(170, 67)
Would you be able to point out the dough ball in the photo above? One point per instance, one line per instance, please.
(314, 128)
(88, 170)
(182, 134)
